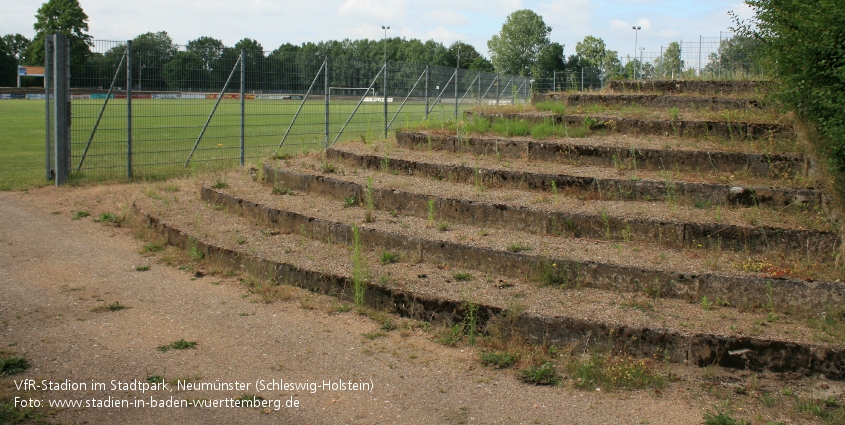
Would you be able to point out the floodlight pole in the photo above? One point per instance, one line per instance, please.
(384, 89)
(636, 33)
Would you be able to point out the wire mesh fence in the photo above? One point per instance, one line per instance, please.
(725, 57)
(149, 109)
(728, 56)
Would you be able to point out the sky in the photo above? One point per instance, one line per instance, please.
(274, 22)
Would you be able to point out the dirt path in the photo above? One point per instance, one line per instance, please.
(54, 271)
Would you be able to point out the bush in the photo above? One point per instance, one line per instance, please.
(802, 45)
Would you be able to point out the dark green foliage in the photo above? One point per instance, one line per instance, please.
(61, 16)
(13, 365)
(802, 43)
(543, 375)
(498, 359)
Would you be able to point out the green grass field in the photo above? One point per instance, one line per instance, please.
(165, 131)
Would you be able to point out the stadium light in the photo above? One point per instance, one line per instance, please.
(384, 40)
(636, 33)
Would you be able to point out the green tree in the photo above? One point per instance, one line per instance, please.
(468, 54)
(185, 71)
(150, 51)
(253, 62)
(481, 64)
(8, 69)
(251, 45)
(517, 46)
(802, 46)
(592, 51)
(15, 45)
(551, 59)
(65, 17)
(737, 55)
(671, 64)
(208, 49)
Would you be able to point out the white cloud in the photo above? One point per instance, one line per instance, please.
(568, 18)
(371, 10)
(617, 24)
(447, 17)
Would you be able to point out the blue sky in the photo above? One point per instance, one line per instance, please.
(274, 22)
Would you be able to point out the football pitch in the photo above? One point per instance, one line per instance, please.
(164, 132)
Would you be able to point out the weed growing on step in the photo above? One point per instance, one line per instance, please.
(544, 374)
(268, 291)
(107, 217)
(389, 257)
(462, 276)
(195, 252)
(674, 113)
(519, 247)
(830, 323)
(282, 190)
(557, 108)
(829, 410)
(512, 128)
(182, 344)
(369, 204)
(359, 270)
(606, 222)
(443, 226)
(328, 167)
(548, 273)
(722, 418)
(610, 372)
(627, 233)
(431, 215)
(498, 359)
(653, 289)
(349, 201)
(384, 165)
(471, 321)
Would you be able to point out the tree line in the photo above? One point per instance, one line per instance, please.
(522, 47)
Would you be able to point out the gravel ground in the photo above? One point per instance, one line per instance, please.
(55, 270)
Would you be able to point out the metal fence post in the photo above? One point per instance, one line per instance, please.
(384, 89)
(456, 90)
(498, 93)
(129, 109)
(61, 116)
(427, 76)
(243, 105)
(699, 56)
(582, 79)
(326, 88)
(479, 88)
(48, 75)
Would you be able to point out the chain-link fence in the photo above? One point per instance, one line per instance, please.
(571, 80)
(725, 57)
(148, 109)
(728, 56)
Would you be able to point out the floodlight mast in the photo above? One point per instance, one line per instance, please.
(636, 33)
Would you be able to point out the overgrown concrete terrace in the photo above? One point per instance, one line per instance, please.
(569, 316)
